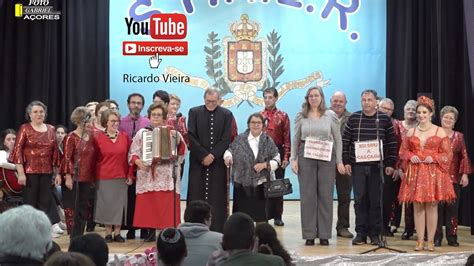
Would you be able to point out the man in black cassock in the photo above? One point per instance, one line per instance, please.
(209, 129)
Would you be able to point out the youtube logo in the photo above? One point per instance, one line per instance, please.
(129, 48)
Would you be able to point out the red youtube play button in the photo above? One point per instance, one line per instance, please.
(129, 48)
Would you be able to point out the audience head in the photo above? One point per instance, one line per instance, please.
(93, 246)
(69, 259)
(26, 233)
(54, 248)
(212, 98)
(7, 139)
(268, 236)
(198, 211)
(161, 96)
(470, 260)
(387, 106)
(239, 232)
(171, 246)
(36, 112)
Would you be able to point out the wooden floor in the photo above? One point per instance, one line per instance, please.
(290, 236)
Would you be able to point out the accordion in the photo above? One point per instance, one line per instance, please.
(158, 144)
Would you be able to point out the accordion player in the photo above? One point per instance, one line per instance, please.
(159, 144)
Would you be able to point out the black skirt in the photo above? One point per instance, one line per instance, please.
(250, 200)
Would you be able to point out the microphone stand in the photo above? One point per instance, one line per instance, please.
(175, 166)
(77, 156)
(383, 238)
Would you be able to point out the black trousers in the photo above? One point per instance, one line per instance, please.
(82, 213)
(366, 182)
(132, 195)
(390, 201)
(38, 194)
(343, 188)
(275, 205)
(448, 215)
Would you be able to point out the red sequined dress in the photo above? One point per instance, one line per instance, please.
(426, 182)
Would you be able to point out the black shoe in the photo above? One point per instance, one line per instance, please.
(453, 243)
(374, 240)
(309, 242)
(144, 233)
(359, 240)
(406, 235)
(119, 238)
(131, 234)
(437, 242)
(278, 222)
(90, 229)
(151, 236)
(108, 238)
(387, 232)
(324, 242)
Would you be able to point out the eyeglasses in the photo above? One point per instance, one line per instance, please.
(255, 123)
(115, 121)
(156, 115)
(136, 103)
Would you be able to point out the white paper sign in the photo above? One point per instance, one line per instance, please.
(318, 149)
(368, 151)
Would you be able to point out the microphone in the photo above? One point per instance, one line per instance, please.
(178, 115)
(87, 117)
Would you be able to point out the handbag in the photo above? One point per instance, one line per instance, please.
(277, 188)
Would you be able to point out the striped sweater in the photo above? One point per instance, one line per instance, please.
(368, 131)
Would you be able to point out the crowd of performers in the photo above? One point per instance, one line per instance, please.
(104, 178)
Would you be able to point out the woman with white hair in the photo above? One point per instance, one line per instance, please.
(26, 236)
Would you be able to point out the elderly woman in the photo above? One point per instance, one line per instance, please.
(426, 157)
(78, 151)
(154, 184)
(35, 154)
(112, 175)
(459, 170)
(254, 156)
(25, 236)
(316, 175)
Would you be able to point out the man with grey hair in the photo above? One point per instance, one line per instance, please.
(343, 182)
(209, 128)
(25, 236)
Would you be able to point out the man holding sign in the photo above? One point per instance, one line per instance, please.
(361, 156)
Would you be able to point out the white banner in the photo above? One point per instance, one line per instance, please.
(367, 151)
(318, 149)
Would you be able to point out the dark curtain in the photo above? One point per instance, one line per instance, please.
(427, 53)
(63, 63)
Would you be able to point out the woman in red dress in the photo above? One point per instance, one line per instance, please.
(81, 153)
(155, 196)
(35, 154)
(426, 156)
(460, 168)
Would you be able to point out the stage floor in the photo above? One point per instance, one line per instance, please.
(290, 236)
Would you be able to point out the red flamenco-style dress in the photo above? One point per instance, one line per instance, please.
(426, 182)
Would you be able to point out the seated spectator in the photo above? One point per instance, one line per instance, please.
(200, 241)
(93, 246)
(239, 240)
(267, 236)
(25, 236)
(54, 248)
(171, 247)
(69, 259)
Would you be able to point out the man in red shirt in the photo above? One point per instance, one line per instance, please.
(278, 128)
